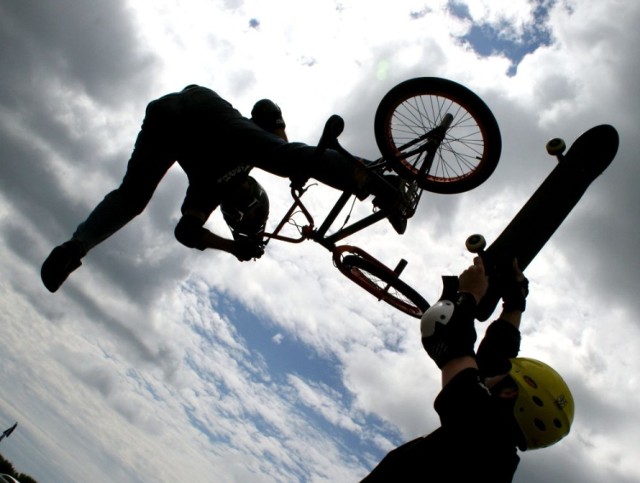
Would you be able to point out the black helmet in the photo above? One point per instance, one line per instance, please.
(267, 115)
(246, 208)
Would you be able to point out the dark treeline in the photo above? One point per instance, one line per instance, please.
(6, 467)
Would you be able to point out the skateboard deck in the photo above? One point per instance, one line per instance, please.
(544, 212)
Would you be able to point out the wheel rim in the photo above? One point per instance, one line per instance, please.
(390, 295)
(461, 152)
(384, 291)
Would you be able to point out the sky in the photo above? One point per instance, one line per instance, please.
(156, 363)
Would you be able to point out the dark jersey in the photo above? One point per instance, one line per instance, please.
(476, 440)
(213, 143)
(191, 127)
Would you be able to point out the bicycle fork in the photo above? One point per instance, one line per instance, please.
(435, 140)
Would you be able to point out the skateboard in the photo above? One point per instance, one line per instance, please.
(536, 222)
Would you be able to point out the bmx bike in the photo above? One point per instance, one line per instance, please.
(435, 135)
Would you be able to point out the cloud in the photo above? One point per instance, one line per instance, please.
(159, 362)
(86, 47)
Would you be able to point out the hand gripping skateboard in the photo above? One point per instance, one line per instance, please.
(545, 211)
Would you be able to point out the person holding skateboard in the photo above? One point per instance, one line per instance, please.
(217, 148)
(491, 401)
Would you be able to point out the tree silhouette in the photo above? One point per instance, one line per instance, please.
(6, 467)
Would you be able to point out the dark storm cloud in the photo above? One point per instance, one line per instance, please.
(49, 46)
(88, 45)
(129, 340)
(542, 466)
(50, 50)
(87, 54)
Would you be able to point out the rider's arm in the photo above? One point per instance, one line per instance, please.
(515, 297)
(459, 364)
(500, 343)
(502, 338)
(512, 316)
(190, 231)
(448, 331)
(455, 366)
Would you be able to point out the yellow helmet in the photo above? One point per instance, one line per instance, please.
(544, 407)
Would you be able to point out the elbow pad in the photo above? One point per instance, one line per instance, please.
(501, 343)
(448, 329)
(189, 232)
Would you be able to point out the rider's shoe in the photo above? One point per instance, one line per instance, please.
(395, 201)
(389, 191)
(63, 260)
(398, 222)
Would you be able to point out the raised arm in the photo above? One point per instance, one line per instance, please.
(448, 331)
(190, 231)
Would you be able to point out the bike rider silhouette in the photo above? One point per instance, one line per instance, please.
(217, 148)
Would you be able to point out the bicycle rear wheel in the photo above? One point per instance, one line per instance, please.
(380, 281)
(439, 133)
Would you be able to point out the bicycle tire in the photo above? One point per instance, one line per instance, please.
(468, 154)
(384, 284)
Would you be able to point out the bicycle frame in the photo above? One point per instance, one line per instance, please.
(368, 272)
(319, 235)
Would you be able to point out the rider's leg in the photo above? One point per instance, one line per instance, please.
(152, 156)
(344, 173)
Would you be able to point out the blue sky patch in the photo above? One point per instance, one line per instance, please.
(289, 356)
(490, 39)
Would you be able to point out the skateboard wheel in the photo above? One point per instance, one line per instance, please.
(476, 243)
(556, 146)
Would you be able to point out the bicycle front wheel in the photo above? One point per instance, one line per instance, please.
(383, 283)
(438, 133)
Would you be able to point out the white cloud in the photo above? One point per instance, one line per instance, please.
(143, 366)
